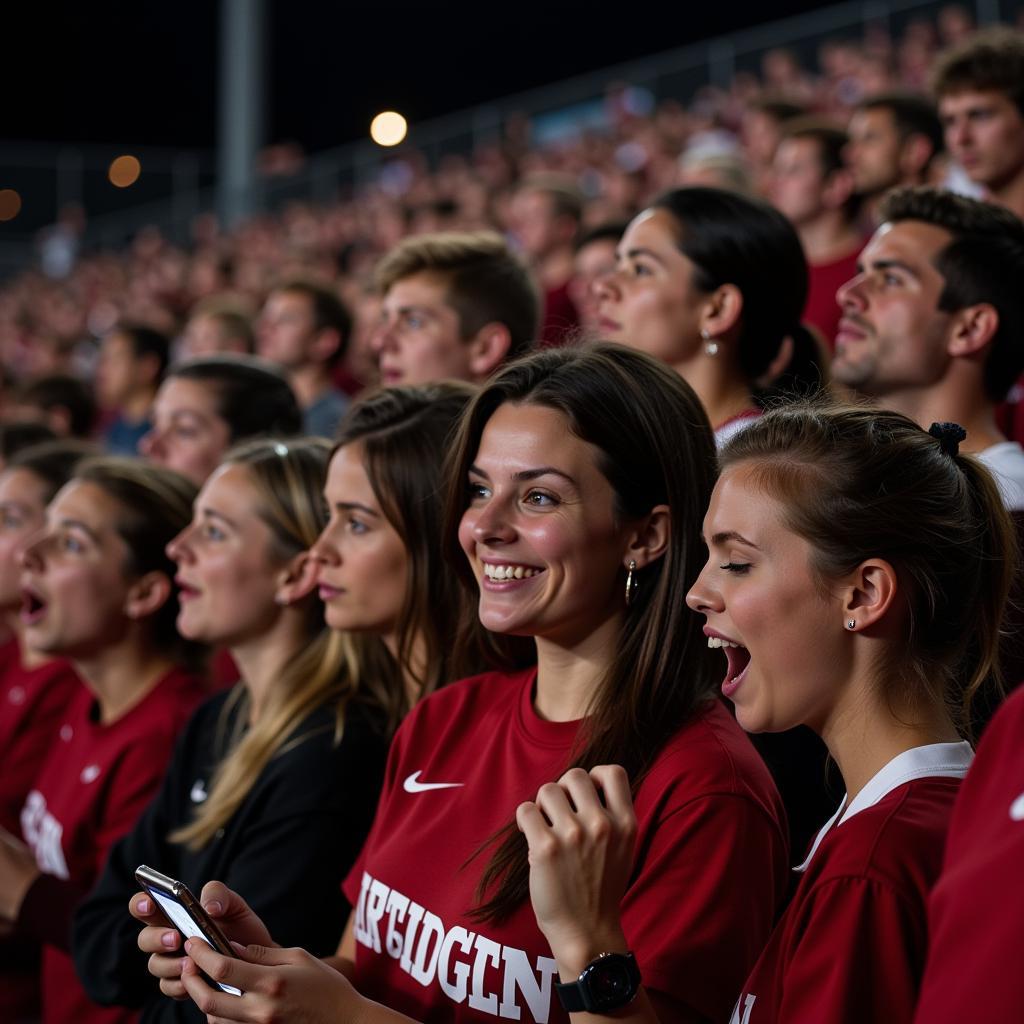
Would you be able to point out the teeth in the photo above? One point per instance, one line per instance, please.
(715, 641)
(509, 572)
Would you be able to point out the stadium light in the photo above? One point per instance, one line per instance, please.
(10, 204)
(388, 128)
(124, 171)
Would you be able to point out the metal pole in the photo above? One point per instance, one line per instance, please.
(241, 108)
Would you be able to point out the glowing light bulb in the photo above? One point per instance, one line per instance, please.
(388, 128)
(124, 171)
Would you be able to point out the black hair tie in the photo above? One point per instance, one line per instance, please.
(949, 436)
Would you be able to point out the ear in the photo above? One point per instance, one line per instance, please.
(869, 593)
(325, 344)
(973, 328)
(487, 348)
(650, 538)
(296, 580)
(722, 310)
(915, 153)
(147, 595)
(838, 188)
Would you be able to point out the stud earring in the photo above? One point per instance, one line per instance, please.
(631, 583)
(852, 624)
(710, 345)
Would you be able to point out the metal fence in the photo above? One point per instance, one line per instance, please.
(677, 74)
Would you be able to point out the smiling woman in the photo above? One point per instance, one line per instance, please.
(576, 486)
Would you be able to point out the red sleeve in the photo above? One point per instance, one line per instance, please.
(710, 880)
(856, 955)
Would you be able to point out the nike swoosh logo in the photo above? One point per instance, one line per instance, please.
(1017, 809)
(413, 785)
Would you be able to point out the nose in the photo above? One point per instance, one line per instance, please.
(380, 338)
(958, 133)
(491, 524)
(151, 445)
(604, 287)
(850, 295)
(30, 554)
(704, 597)
(178, 549)
(324, 551)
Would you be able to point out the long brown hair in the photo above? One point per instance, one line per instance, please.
(405, 434)
(289, 479)
(655, 447)
(858, 483)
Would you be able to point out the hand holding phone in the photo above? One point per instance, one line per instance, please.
(185, 913)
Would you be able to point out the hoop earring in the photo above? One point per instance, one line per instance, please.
(632, 584)
(710, 345)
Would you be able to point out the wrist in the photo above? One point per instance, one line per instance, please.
(572, 955)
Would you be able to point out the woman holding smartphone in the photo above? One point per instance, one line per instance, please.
(273, 786)
(98, 589)
(577, 487)
(856, 580)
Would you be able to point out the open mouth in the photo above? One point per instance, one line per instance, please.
(738, 659)
(185, 590)
(33, 607)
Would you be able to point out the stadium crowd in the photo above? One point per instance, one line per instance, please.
(482, 590)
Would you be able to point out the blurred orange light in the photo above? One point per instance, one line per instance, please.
(124, 171)
(10, 204)
(388, 128)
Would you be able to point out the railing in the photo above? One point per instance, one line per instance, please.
(677, 73)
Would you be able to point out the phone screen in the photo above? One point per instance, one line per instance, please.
(182, 920)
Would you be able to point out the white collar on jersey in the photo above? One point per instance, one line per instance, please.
(935, 760)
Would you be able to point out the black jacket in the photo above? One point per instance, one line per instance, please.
(285, 851)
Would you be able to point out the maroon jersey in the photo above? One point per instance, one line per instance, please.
(95, 782)
(710, 870)
(976, 924)
(850, 947)
(32, 703)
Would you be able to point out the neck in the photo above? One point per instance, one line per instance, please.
(718, 384)
(123, 673)
(309, 383)
(415, 669)
(555, 268)
(28, 657)
(262, 659)
(136, 407)
(865, 735)
(828, 237)
(965, 405)
(569, 673)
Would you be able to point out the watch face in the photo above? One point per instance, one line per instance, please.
(609, 983)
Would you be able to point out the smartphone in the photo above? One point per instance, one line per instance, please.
(185, 913)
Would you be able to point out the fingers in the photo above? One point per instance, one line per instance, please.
(220, 901)
(144, 908)
(613, 783)
(159, 939)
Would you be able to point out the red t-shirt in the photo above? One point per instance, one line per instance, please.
(710, 872)
(976, 923)
(32, 703)
(95, 782)
(850, 947)
(824, 280)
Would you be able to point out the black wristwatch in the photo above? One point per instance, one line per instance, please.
(607, 983)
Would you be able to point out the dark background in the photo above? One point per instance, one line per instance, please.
(144, 73)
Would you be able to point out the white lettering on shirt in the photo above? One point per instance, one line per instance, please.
(748, 1009)
(44, 834)
(459, 960)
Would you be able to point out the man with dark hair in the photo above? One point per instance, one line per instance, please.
(894, 137)
(933, 321)
(760, 132)
(980, 91)
(131, 365)
(455, 306)
(63, 403)
(814, 189)
(304, 328)
(546, 214)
